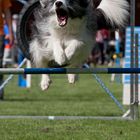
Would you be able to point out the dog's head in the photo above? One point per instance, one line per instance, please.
(65, 9)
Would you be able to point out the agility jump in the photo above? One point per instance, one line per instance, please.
(25, 48)
(69, 70)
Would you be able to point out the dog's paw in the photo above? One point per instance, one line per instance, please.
(71, 78)
(45, 84)
(60, 59)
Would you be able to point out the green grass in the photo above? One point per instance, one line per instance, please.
(69, 130)
(84, 98)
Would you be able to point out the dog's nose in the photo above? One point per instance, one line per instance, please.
(58, 3)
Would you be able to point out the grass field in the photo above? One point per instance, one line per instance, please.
(84, 98)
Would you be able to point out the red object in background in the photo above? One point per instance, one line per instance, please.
(7, 46)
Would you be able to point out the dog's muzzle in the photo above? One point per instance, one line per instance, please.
(62, 14)
(58, 4)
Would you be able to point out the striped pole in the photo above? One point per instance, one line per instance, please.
(69, 70)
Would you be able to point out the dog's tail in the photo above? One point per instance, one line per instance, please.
(113, 12)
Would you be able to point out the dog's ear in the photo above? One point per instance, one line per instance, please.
(102, 22)
(112, 13)
(96, 3)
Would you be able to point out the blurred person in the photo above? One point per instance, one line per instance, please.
(100, 43)
(94, 56)
(111, 48)
(15, 18)
(4, 10)
(100, 47)
(105, 34)
(7, 46)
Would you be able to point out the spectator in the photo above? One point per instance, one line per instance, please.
(100, 43)
(7, 47)
(4, 10)
(15, 44)
(105, 33)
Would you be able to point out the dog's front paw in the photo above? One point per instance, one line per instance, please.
(71, 78)
(60, 59)
(45, 84)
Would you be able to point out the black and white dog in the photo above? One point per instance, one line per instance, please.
(65, 31)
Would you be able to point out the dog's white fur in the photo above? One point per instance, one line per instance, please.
(115, 11)
(72, 43)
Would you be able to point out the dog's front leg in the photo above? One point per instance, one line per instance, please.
(59, 54)
(72, 48)
(73, 54)
(45, 81)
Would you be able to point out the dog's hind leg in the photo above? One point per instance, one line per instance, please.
(45, 81)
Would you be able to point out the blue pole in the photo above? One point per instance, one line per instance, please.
(102, 84)
(82, 71)
(21, 78)
(68, 70)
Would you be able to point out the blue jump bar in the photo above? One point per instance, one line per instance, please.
(45, 70)
(123, 70)
(69, 70)
(81, 70)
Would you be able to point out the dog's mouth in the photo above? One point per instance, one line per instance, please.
(62, 16)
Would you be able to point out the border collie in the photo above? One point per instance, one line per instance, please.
(64, 31)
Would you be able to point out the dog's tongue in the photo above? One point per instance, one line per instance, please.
(62, 21)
